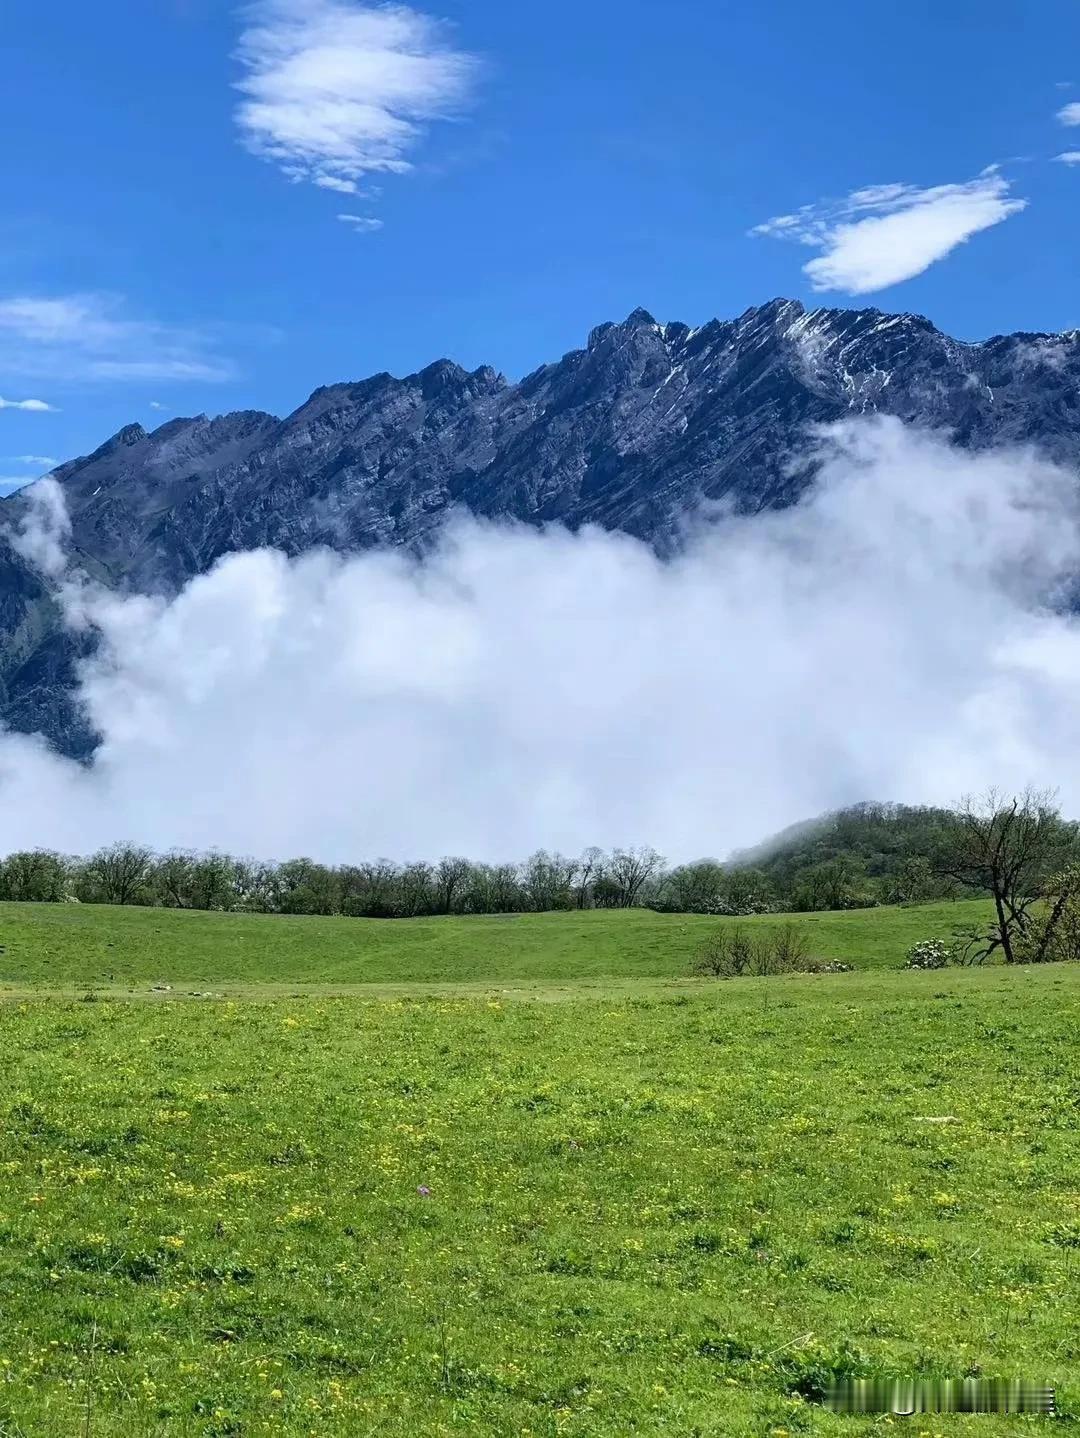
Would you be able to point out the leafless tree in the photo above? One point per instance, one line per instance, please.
(504, 881)
(451, 875)
(590, 867)
(1055, 932)
(370, 889)
(723, 955)
(1006, 845)
(414, 882)
(629, 869)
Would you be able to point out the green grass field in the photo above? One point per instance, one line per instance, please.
(57, 945)
(655, 1207)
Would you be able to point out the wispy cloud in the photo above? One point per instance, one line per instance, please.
(1070, 114)
(331, 182)
(362, 224)
(1070, 157)
(34, 406)
(42, 463)
(156, 404)
(334, 90)
(92, 337)
(884, 234)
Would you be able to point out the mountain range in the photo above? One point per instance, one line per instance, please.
(633, 432)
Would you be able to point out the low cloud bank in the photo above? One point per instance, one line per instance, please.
(894, 635)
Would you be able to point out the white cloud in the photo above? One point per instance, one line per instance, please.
(1070, 114)
(43, 528)
(156, 404)
(342, 187)
(1046, 352)
(1070, 157)
(35, 459)
(884, 234)
(362, 224)
(887, 637)
(334, 90)
(33, 406)
(92, 337)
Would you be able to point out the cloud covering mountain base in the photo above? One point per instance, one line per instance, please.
(901, 633)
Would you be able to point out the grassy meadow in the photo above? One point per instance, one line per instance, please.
(652, 1207)
(97, 945)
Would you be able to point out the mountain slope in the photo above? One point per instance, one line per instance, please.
(633, 432)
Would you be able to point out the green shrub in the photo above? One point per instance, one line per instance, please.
(732, 952)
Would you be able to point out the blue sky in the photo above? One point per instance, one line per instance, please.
(532, 170)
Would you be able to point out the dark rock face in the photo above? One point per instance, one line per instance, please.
(632, 433)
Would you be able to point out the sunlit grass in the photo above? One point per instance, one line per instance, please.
(341, 1217)
(59, 945)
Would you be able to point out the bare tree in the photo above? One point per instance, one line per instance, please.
(414, 886)
(450, 878)
(504, 881)
(725, 954)
(590, 867)
(629, 869)
(1007, 846)
(1055, 933)
(371, 889)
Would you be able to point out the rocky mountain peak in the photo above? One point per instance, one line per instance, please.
(632, 433)
(639, 319)
(131, 434)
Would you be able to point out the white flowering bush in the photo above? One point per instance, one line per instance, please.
(929, 954)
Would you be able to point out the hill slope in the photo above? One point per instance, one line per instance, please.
(55, 945)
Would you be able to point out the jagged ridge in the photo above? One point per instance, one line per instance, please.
(631, 432)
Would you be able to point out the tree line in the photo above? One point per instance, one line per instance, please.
(127, 873)
(869, 854)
